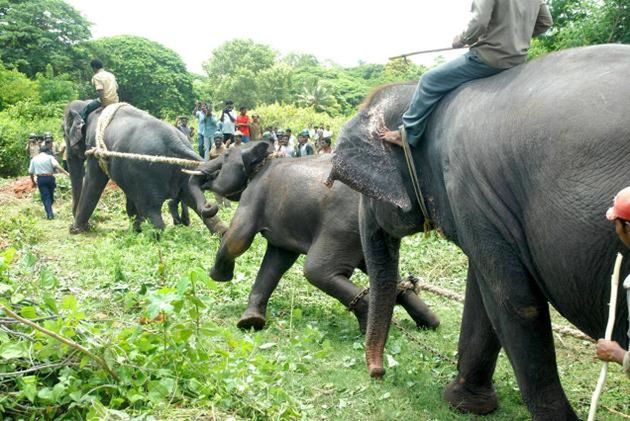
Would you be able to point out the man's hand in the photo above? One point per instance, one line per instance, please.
(610, 351)
(458, 42)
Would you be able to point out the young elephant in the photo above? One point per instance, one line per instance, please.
(286, 201)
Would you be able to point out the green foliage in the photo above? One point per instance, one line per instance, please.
(149, 75)
(296, 118)
(585, 22)
(16, 87)
(36, 33)
(55, 88)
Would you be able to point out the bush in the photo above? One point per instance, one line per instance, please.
(16, 87)
(16, 123)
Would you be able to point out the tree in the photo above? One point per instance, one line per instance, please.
(319, 97)
(275, 84)
(38, 32)
(16, 87)
(149, 75)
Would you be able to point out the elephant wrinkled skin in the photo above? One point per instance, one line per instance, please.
(518, 170)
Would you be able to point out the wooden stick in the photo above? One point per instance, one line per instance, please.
(612, 307)
(435, 50)
(100, 361)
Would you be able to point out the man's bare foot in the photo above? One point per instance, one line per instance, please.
(390, 136)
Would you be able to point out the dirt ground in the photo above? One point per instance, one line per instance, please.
(18, 188)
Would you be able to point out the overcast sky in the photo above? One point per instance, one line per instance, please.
(344, 31)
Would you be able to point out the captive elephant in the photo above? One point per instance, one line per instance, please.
(286, 201)
(518, 171)
(146, 185)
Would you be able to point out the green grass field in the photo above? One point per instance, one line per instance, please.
(169, 332)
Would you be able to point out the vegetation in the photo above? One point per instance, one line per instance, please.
(168, 332)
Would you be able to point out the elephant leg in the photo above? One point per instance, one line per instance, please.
(235, 242)
(519, 314)
(94, 183)
(173, 210)
(418, 310)
(275, 263)
(185, 216)
(132, 212)
(155, 216)
(479, 347)
(326, 270)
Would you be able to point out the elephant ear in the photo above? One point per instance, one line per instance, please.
(74, 128)
(366, 164)
(255, 155)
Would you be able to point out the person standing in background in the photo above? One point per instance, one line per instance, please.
(228, 121)
(42, 171)
(255, 130)
(32, 145)
(243, 123)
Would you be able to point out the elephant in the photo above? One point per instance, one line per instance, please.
(517, 170)
(146, 185)
(285, 200)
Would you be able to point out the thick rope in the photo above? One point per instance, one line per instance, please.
(101, 153)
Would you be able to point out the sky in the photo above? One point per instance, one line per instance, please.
(343, 31)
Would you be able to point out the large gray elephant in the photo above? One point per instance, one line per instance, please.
(286, 201)
(518, 171)
(146, 185)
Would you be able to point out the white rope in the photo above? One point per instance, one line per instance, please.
(614, 286)
(100, 151)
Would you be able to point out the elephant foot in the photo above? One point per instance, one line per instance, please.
(209, 211)
(78, 229)
(221, 276)
(418, 310)
(361, 313)
(479, 401)
(177, 221)
(251, 319)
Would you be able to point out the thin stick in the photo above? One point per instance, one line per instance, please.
(434, 50)
(100, 361)
(614, 286)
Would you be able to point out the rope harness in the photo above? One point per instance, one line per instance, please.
(101, 153)
(415, 182)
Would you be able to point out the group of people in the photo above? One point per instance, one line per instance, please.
(285, 143)
(229, 124)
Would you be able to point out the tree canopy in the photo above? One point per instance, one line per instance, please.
(149, 75)
(36, 33)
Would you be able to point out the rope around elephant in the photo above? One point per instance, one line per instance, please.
(101, 152)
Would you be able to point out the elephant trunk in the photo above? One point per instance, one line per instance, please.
(381, 252)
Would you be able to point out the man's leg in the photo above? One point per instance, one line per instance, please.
(91, 106)
(434, 85)
(245, 139)
(45, 192)
(200, 140)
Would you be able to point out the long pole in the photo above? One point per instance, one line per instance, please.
(435, 50)
(612, 307)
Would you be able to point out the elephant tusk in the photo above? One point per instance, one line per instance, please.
(192, 172)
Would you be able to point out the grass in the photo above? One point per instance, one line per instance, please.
(307, 363)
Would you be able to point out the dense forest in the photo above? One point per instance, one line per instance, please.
(47, 46)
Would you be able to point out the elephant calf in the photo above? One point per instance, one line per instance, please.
(285, 201)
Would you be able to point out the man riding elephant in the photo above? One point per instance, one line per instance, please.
(106, 88)
(146, 184)
(498, 34)
(276, 195)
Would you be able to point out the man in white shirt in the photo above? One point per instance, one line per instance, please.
(42, 169)
(228, 121)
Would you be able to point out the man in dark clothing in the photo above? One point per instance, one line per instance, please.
(498, 34)
(304, 148)
(41, 169)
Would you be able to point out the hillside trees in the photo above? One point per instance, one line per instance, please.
(36, 33)
(149, 75)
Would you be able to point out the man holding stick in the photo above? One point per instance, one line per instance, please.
(611, 351)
